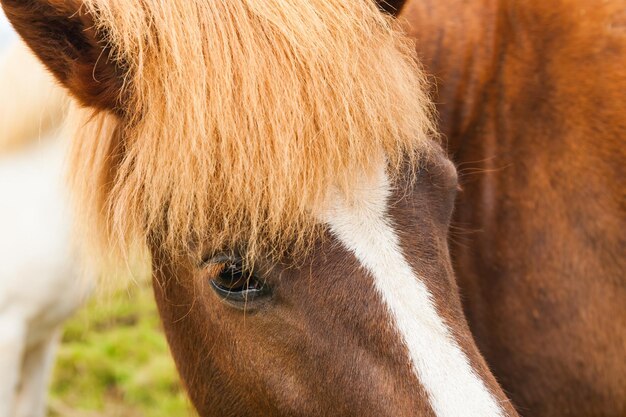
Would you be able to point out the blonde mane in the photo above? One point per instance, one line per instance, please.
(31, 104)
(243, 114)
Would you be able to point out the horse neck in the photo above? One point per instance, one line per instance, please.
(502, 69)
(525, 81)
(532, 101)
(458, 43)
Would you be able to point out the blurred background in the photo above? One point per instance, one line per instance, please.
(112, 359)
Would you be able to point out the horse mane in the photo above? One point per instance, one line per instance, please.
(241, 116)
(31, 103)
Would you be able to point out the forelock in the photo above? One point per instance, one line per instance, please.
(241, 116)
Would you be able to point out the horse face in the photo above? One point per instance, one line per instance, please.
(321, 337)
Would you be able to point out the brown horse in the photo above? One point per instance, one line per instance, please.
(366, 319)
(277, 159)
(532, 102)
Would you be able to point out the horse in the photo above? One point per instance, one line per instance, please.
(531, 100)
(39, 285)
(279, 161)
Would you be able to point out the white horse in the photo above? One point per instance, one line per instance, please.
(39, 272)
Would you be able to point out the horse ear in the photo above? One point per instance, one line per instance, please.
(392, 7)
(62, 34)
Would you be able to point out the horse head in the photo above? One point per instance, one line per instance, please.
(277, 159)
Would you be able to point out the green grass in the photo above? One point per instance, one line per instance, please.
(114, 361)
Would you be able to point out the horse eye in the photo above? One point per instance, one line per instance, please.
(237, 284)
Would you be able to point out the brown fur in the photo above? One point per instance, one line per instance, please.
(237, 118)
(325, 331)
(199, 160)
(532, 103)
(531, 94)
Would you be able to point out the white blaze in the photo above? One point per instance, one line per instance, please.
(454, 389)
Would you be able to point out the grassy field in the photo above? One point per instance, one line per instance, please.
(114, 362)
